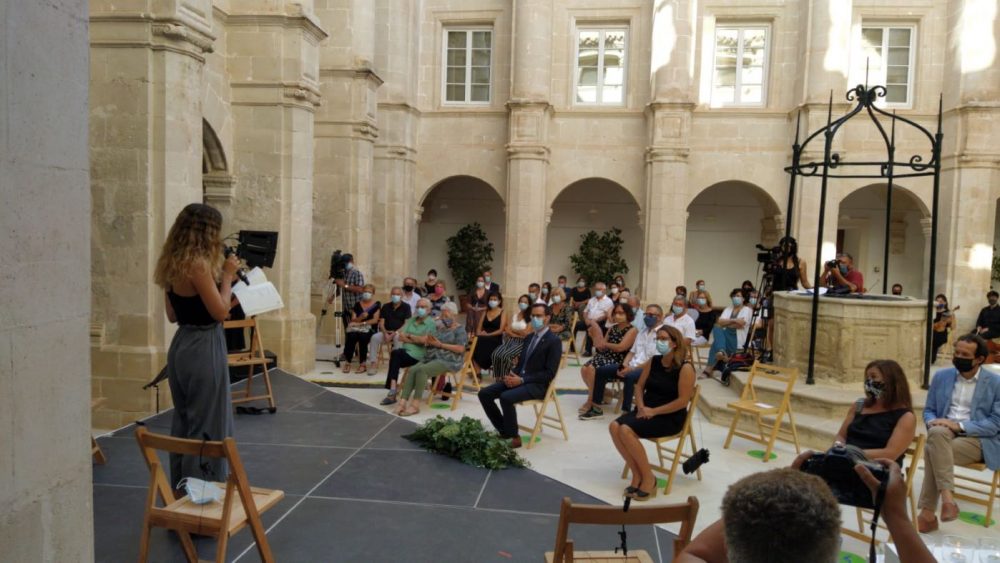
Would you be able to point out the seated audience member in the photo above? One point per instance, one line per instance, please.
(897, 289)
(844, 278)
(962, 414)
(681, 291)
(414, 336)
(546, 294)
(624, 296)
(881, 424)
(437, 298)
(477, 305)
(491, 286)
(661, 395)
(431, 283)
(445, 352)
(699, 289)
(364, 319)
(561, 284)
(410, 293)
(730, 332)
(643, 348)
(988, 321)
(788, 516)
(530, 378)
(701, 301)
(610, 352)
(620, 282)
(513, 338)
(562, 315)
(634, 303)
(613, 291)
(535, 293)
(679, 319)
(489, 334)
(944, 323)
(580, 295)
(745, 288)
(597, 311)
(391, 318)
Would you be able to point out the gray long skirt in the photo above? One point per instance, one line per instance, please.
(198, 373)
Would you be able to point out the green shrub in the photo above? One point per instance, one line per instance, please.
(467, 440)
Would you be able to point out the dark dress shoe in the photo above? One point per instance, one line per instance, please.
(515, 442)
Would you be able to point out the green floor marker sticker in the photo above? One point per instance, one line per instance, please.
(326, 373)
(974, 518)
(524, 438)
(848, 557)
(440, 406)
(759, 454)
(661, 483)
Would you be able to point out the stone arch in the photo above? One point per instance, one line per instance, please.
(634, 195)
(592, 204)
(725, 220)
(216, 177)
(422, 196)
(445, 207)
(911, 194)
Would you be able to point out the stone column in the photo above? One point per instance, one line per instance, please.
(527, 149)
(274, 59)
(45, 467)
(146, 156)
(667, 174)
(970, 180)
(346, 130)
(395, 150)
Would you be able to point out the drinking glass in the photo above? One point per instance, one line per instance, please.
(957, 549)
(989, 550)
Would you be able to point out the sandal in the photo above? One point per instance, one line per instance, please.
(629, 491)
(346, 368)
(362, 368)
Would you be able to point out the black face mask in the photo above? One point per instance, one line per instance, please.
(408, 288)
(963, 365)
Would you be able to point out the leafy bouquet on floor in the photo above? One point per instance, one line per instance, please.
(468, 441)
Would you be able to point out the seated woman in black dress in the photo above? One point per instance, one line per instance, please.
(661, 397)
(882, 425)
(492, 325)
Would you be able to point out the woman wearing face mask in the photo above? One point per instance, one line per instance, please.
(492, 325)
(513, 339)
(562, 315)
(546, 295)
(477, 304)
(881, 424)
(699, 289)
(662, 395)
(437, 299)
(364, 318)
(730, 332)
(611, 350)
(445, 351)
(432, 278)
(944, 323)
(620, 282)
(701, 301)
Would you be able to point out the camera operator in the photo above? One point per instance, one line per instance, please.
(786, 515)
(352, 285)
(789, 269)
(841, 275)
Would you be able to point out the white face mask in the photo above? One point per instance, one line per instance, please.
(201, 492)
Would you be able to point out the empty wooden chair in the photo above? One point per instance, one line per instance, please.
(240, 506)
(674, 454)
(571, 346)
(542, 418)
(685, 513)
(976, 490)
(749, 403)
(96, 453)
(251, 358)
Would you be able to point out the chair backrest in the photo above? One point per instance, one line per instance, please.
(692, 406)
(787, 376)
(914, 454)
(693, 313)
(571, 513)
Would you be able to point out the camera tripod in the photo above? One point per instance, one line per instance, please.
(763, 312)
(332, 289)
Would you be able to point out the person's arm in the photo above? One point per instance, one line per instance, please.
(685, 390)
(842, 433)
(930, 403)
(171, 315)
(909, 546)
(376, 316)
(640, 385)
(626, 343)
(707, 547)
(803, 276)
(216, 299)
(902, 436)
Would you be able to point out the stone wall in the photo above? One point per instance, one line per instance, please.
(45, 475)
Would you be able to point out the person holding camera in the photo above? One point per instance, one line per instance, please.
(789, 516)
(197, 282)
(881, 424)
(842, 277)
(352, 285)
(962, 414)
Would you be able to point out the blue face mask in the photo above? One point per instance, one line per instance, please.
(537, 323)
(349, 266)
(523, 306)
(737, 301)
(395, 298)
(366, 295)
(598, 293)
(753, 300)
(421, 312)
(702, 301)
(488, 279)
(532, 296)
(494, 304)
(677, 309)
(843, 269)
(447, 322)
(663, 346)
(650, 321)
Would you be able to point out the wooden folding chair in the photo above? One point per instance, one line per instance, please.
(385, 346)
(750, 404)
(974, 489)
(458, 380)
(914, 453)
(675, 454)
(570, 513)
(96, 453)
(541, 418)
(220, 520)
(571, 346)
(696, 352)
(250, 358)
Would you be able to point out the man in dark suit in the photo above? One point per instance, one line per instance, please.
(529, 380)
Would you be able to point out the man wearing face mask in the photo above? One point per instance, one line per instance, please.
(680, 320)
(491, 286)
(535, 293)
(414, 335)
(988, 322)
(352, 286)
(962, 414)
(530, 378)
(392, 317)
(597, 311)
(410, 293)
(844, 278)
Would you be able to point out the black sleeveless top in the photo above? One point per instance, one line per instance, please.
(787, 278)
(662, 387)
(872, 431)
(190, 310)
(491, 325)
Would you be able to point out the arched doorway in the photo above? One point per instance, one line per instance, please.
(725, 222)
(592, 204)
(861, 233)
(448, 206)
(217, 183)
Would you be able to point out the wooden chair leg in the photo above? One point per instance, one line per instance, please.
(795, 433)
(456, 392)
(539, 414)
(625, 472)
(222, 542)
(732, 430)
(188, 545)
(96, 452)
(673, 464)
(562, 421)
(993, 496)
(773, 437)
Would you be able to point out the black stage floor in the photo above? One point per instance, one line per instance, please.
(355, 490)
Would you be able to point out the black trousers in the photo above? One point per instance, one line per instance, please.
(359, 340)
(504, 417)
(398, 360)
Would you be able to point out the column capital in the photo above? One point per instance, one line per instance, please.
(528, 152)
(219, 187)
(418, 214)
(667, 154)
(159, 32)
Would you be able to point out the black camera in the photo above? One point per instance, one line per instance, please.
(771, 258)
(836, 468)
(692, 463)
(833, 264)
(338, 264)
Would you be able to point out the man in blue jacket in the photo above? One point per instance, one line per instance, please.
(963, 426)
(530, 379)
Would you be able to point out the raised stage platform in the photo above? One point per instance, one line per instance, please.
(355, 490)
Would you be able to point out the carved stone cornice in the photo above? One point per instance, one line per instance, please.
(303, 93)
(219, 187)
(299, 19)
(515, 104)
(527, 152)
(300, 94)
(181, 32)
(667, 154)
(143, 30)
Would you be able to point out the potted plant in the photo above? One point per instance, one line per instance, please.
(599, 257)
(470, 253)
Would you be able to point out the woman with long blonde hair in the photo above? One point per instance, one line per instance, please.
(198, 284)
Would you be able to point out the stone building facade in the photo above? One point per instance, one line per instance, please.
(380, 126)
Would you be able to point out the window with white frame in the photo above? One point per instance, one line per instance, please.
(467, 70)
(888, 52)
(600, 66)
(739, 74)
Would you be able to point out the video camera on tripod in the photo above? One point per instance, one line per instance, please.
(772, 259)
(255, 248)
